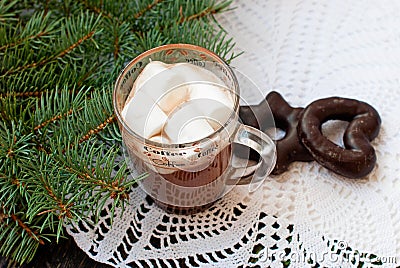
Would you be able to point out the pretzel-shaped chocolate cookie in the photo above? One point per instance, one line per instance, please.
(304, 141)
(358, 157)
(289, 148)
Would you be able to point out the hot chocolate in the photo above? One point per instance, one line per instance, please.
(179, 104)
(179, 120)
(183, 191)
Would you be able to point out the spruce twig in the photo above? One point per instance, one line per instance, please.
(26, 228)
(28, 94)
(99, 128)
(59, 140)
(146, 9)
(53, 119)
(97, 10)
(49, 59)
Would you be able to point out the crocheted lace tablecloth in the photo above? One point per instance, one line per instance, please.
(305, 50)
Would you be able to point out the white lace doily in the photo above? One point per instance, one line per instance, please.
(307, 216)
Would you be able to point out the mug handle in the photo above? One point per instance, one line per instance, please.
(257, 140)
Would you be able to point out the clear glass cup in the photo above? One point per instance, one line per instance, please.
(188, 177)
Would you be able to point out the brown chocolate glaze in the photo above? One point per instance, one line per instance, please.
(358, 157)
(289, 148)
(257, 116)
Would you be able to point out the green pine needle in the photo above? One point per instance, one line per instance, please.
(59, 140)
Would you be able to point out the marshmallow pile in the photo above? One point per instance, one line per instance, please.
(177, 103)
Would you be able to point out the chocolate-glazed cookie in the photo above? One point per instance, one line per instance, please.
(358, 157)
(289, 148)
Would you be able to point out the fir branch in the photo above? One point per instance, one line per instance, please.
(65, 102)
(37, 84)
(32, 234)
(36, 28)
(148, 8)
(7, 14)
(201, 14)
(116, 47)
(38, 94)
(46, 7)
(73, 46)
(97, 10)
(26, 94)
(111, 119)
(87, 74)
(3, 216)
(10, 186)
(58, 137)
(14, 181)
(21, 238)
(51, 58)
(94, 120)
(11, 112)
(99, 128)
(48, 187)
(23, 40)
(55, 118)
(14, 144)
(64, 209)
(89, 177)
(207, 11)
(72, 34)
(94, 174)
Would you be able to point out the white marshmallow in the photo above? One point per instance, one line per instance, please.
(193, 73)
(150, 70)
(187, 124)
(162, 84)
(170, 98)
(143, 116)
(217, 100)
(160, 139)
(182, 101)
(194, 130)
(159, 81)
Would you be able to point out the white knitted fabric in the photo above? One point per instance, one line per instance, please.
(306, 50)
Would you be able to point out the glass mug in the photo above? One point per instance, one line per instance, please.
(187, 178)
